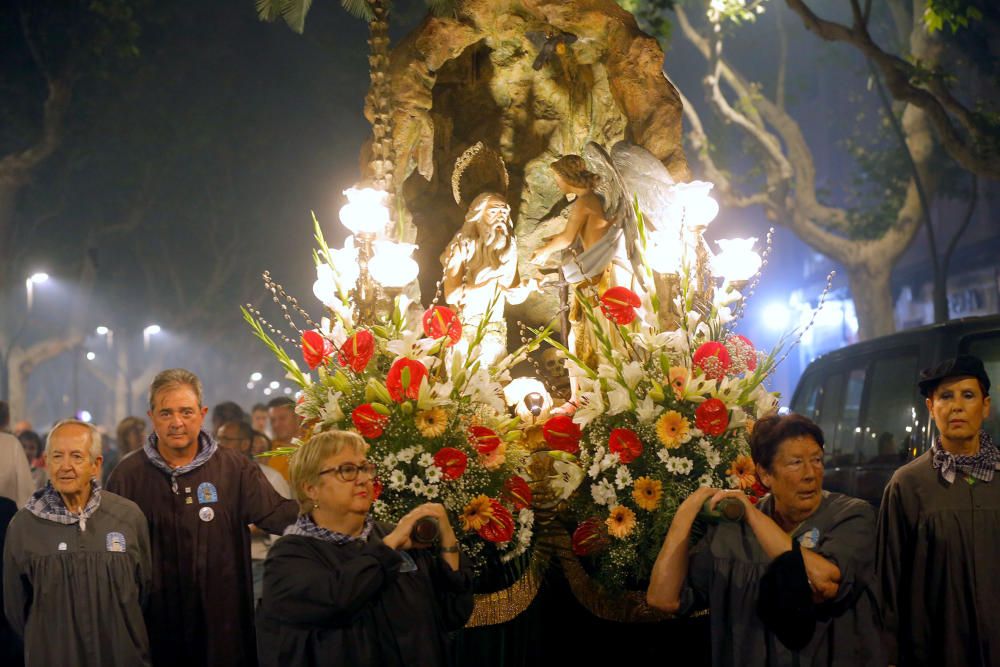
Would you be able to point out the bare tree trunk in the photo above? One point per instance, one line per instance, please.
(872, 295)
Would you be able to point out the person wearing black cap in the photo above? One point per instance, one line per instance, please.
(939, 531)
(793, 583)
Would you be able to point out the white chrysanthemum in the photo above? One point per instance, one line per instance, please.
(426, 460)
(433, 474)
(389, 462)
(406, 454)
(418, 486)
(623, 478)
(679, 465)
(604, 494)
(595, 467)
(397, 480)
(706, 480)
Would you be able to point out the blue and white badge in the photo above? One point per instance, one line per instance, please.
(207, 493)
(409, 565)
(206, 514)
(810, 538)
(115, 542)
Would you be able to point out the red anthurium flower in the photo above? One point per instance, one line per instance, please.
(485, 440)
(357, 351)
(452, 462)
(619, 303)
(589, 537)
(626, 444)
(561, 432)
(376, 488)
(713, 359)
(403, 378)
(316, 349)
(441, 321)
(712, 417)
(370, 424)
(517, 492)
(500, 527)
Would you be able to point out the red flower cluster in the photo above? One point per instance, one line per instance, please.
(484, 440)
(561, 432)
(713, 359)
(404, 377)
(451, 461)
(626, 444)
(712, 417)
(589, 537)
(440, 321)
(742, 352)
(500, 527)
(357, 351)
(369, 422)
(316, 349)
(517, 492)
(619, 303)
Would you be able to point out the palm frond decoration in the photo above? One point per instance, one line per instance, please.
(292, 11)
(360, 9)
(442, 7)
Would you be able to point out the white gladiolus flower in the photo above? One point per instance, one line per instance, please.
(619, 400)
(647, 410)
(633, 372)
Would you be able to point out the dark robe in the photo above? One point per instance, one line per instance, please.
(939, 557)
(726, 567)
(330, 604)
(201, 609)
(74, 595)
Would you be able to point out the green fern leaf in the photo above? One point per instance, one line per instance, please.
(358, 9)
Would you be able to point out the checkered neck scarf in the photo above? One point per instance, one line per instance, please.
(306, 526)
(981, 466)
(46, 503)
(206, 448)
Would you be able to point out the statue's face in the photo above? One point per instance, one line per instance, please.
(496, 216)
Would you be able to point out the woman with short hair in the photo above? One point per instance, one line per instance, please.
(341, 588)
(790, 584)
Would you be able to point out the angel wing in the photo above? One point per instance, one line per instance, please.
(617, 202)
(646, 179)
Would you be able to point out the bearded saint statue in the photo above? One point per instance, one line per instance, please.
(480, 262)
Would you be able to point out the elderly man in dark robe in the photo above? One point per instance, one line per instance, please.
(76, 563)
(199, 499)
(939, 532)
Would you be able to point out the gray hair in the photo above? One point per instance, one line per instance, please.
(174, 377)
(95, 436)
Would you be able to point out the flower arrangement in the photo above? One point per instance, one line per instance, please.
(434, 417)
(659, 414)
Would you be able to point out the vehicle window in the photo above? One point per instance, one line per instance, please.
(830, 409)
(889, 415)
(987, 348)
(847, 434)
(807, 401)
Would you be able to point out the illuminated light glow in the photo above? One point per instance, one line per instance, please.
(909, 429)
(392, 265)
(256, 376)
(250, 385)
(857, 429)
(102, 331)
(38, 278)
(365, 211)
(274, 384)
(91, 356)
(518, 388)
(152, 330)
(287, 390)
(692, 202)
(267, 391)
(737, 260)
(490, 350)
(664, 252)
(776, 316)
(85, 416)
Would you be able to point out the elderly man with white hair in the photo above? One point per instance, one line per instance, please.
(77, 562)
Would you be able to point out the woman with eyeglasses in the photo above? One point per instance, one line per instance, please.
(341, 588)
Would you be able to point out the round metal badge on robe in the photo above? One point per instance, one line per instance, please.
(206, 514)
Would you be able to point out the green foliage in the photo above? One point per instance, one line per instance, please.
(953, 14)
(735, 11)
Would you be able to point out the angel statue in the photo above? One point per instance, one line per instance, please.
(601, 234)
(480, 262)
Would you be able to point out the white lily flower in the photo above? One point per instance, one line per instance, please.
(567, 478)
(410, 344)
(591, 407)
(619, 400)
(647, 410)
(633, 372)
(331, 411)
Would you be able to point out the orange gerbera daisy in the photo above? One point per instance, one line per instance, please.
(431, 423)
(621, 521)
(678, 380)
(477, 513)
(672, 428)
(647, 493)
(744, 470)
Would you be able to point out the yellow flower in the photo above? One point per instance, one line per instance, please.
(744, 470)
(477, 513)
(431, 423)
(672, 428)
(678, 380)
(621, 521)
(647, 493)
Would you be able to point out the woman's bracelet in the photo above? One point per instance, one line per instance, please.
(450, 550)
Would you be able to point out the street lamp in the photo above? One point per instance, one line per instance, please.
(148, 333)
(29, 284)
